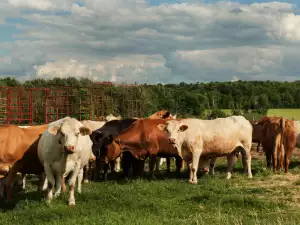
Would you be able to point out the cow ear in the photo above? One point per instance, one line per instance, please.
(97, 137)
(174, 117)
(183, 128)
(53, 130)
(85, 131)
(118, 118)
(161, 126)
(101, 118)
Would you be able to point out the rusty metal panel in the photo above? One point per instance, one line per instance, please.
(19, 105)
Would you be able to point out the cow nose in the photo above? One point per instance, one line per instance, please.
(70, 148)
(205, 170)
(171, 140)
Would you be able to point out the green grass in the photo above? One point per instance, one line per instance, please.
(287, 113)
(266, 199)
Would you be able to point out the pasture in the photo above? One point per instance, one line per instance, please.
(287, 113)
(266, 199)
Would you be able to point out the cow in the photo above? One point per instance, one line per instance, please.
(64, 147)
(141, 139)
(194, 138)
(114, 165)
(278, 139)
(111, 128)
(14, 142)
(256, 136)
(297, 131)
(112, 117)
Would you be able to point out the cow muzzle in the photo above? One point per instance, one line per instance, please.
(171, 140)
(70, 148)
(205, 170)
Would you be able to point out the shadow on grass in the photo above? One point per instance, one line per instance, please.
(20, 196)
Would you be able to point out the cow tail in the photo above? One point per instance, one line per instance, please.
(282, 127)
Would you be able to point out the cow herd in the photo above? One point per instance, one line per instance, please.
(79, 151)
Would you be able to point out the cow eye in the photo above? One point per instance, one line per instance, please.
(77, 134)
(62, 134)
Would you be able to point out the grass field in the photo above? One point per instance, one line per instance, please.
(266, 199)
(287, 113)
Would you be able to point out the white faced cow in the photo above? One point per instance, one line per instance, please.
(65, 147)
(219, 137)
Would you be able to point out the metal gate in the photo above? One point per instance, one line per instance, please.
(20, 105)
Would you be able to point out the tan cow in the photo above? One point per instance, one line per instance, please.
(219, 137)
(297, 131)
(14, 142)
(278, 139)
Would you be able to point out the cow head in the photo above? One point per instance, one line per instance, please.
(69, 131)
(163, 114)
(100, 141)
(173, 128)
(112, 117)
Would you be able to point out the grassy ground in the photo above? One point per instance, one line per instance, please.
(266, 199)
(288, 113)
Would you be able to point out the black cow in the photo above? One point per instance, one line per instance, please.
(104, 135)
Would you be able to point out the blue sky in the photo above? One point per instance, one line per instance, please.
(128, 41)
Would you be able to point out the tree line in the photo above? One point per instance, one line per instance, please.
(197, 99)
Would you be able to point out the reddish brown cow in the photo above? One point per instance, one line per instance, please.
(143, 139)
(15, 141)
(278, 139)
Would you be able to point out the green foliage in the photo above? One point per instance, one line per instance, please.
(189, 100)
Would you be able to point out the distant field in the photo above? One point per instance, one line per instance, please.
(287, 113)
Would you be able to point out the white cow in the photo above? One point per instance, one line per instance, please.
(112, 117)
(297, 131)
(219, 137)
(63, 148)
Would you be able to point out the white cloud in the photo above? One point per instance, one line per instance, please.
(129, 40)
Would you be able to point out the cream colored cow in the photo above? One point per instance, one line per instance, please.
(64, 148)
(220, 137)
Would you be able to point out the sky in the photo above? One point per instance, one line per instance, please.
(150, 41)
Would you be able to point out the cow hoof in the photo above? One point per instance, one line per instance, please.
(228, 177)
(193, 182)
(86, 181)
(72, 204)
(250, 176)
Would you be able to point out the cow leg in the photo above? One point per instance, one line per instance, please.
(43, 183)
(86, 170)
(105, 171)
(24, 181)
(212, 165)
(51, 182)
(79, 180)
(117, 164)
(72, 182)
(152, 160)
(63, 184)
(58, 184)
(268, 159)
(168, 162)
(246, 158)
(2, 185)
(231, 159)
(98, 168)
(157, 163)
(194, 167)
(287, 156)
(178, 162)
(11, 177)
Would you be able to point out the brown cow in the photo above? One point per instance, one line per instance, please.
(15, 141)
(142, 139)
(278, 139)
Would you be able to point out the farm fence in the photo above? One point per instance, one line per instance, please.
(29, 106)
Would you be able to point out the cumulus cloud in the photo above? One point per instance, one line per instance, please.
(130, 40)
